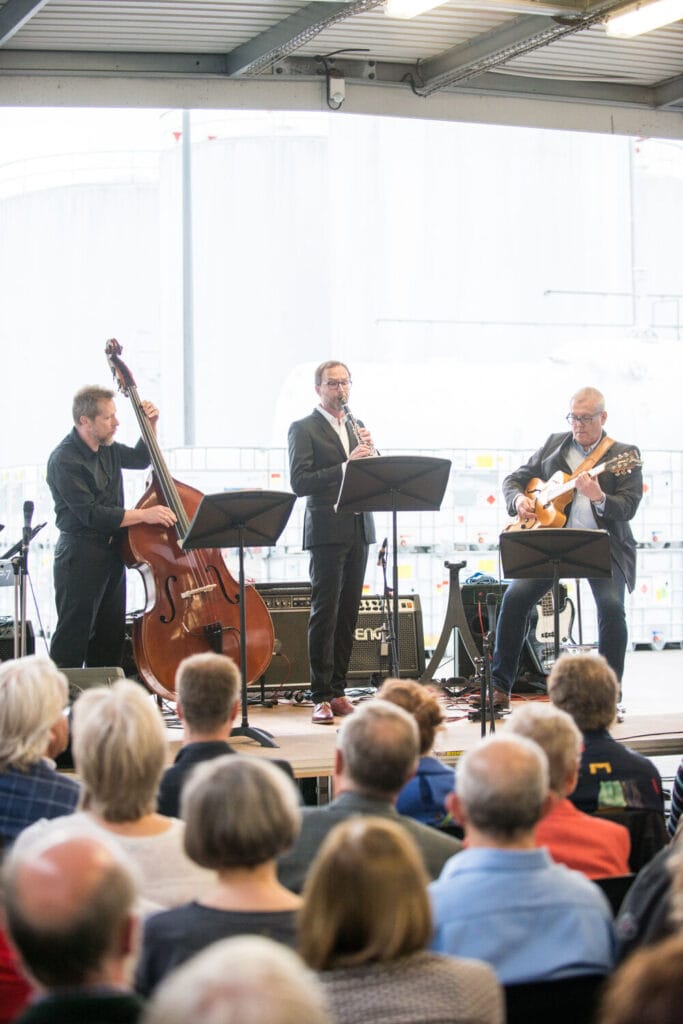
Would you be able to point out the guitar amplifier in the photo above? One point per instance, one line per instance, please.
(289, 605)
(7, 639)
(474, 602)
(370, 654)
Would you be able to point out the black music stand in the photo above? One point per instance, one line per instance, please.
(234, 519)
(394, 483)
(551, 554)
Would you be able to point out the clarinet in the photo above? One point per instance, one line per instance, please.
(353, 423)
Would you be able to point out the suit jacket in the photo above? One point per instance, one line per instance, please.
(436, 847)
(623, 495)
(316, 457)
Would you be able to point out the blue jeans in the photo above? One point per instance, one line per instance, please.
(521, 596)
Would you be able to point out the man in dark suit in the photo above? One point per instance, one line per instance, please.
(606, 502)
(319, 446)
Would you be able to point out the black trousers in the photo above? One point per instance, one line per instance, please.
(337, 572)
(90, 594)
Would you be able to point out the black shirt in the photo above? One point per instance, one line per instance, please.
(87, 486)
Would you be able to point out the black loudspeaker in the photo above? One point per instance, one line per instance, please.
(81, 679)
(289, 606)
(474, 602)
(7, 639)
(370, 654)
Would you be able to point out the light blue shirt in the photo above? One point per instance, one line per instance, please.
(580, 512)
(529, 918)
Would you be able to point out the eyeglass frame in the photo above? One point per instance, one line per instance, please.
(584, 419)
(336, 384)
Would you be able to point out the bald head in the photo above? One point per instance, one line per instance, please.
(502, 786)
(68, 905)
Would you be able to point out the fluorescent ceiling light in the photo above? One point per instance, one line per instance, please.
(643, 17)
(410, 8)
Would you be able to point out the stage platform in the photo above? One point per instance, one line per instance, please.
(653, 723)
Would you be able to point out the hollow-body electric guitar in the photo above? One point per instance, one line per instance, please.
(552, 497)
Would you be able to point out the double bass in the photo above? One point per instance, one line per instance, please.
(192, 600)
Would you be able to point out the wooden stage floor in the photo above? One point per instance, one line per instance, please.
(653, 724)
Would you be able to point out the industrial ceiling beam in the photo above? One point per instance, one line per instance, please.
(289, 34)
(14, 14)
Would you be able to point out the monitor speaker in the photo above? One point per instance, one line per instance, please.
(81, 679)
(289, 606)
(7, 639)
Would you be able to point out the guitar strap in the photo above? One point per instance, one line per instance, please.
(594, 456)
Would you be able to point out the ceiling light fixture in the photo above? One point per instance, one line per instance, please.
(643, 17)
(410, 8)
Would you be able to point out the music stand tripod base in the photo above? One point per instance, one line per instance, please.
(235, 519)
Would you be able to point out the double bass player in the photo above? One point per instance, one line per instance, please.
(86, 482)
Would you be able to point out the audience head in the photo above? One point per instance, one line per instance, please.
(586, 688)
(502, 787)
(119, 747)
(68, 906)
(243, 980)
(647, 988)
(389, 915)
(239, 812)
(420, 702)
(557, 735)
(207, 689)
(33, 694)
(378, 748)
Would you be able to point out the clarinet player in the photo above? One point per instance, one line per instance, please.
(319, 446)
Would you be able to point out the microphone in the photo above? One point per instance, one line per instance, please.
(28, 516)
(491, 606)
(382, 556)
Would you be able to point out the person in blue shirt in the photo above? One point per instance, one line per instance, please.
(33, 730)
(502, 900)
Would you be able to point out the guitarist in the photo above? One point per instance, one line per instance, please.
(606, 502)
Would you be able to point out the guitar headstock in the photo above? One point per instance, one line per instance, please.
(122, 375)
(625, 462)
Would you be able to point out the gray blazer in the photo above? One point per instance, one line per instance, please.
(435, 846)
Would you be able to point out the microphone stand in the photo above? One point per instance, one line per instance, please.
(488, 643)
(18, 556)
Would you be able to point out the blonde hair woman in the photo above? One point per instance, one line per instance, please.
(365, 925)
(119, 747)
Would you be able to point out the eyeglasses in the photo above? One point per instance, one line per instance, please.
(337, 383)
(585, 420)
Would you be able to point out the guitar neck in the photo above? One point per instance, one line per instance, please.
(570, 485)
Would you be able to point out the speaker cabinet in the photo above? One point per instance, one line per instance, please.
(7, 639)
(370, 653)
(474, 602)
(289, 606)
(81, 679)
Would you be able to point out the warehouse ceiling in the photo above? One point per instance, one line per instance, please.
(545, 63)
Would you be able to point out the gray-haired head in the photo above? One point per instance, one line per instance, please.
(379, 744)
(33, 693)
(502, 784)
(556, 734)
(243, 980)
